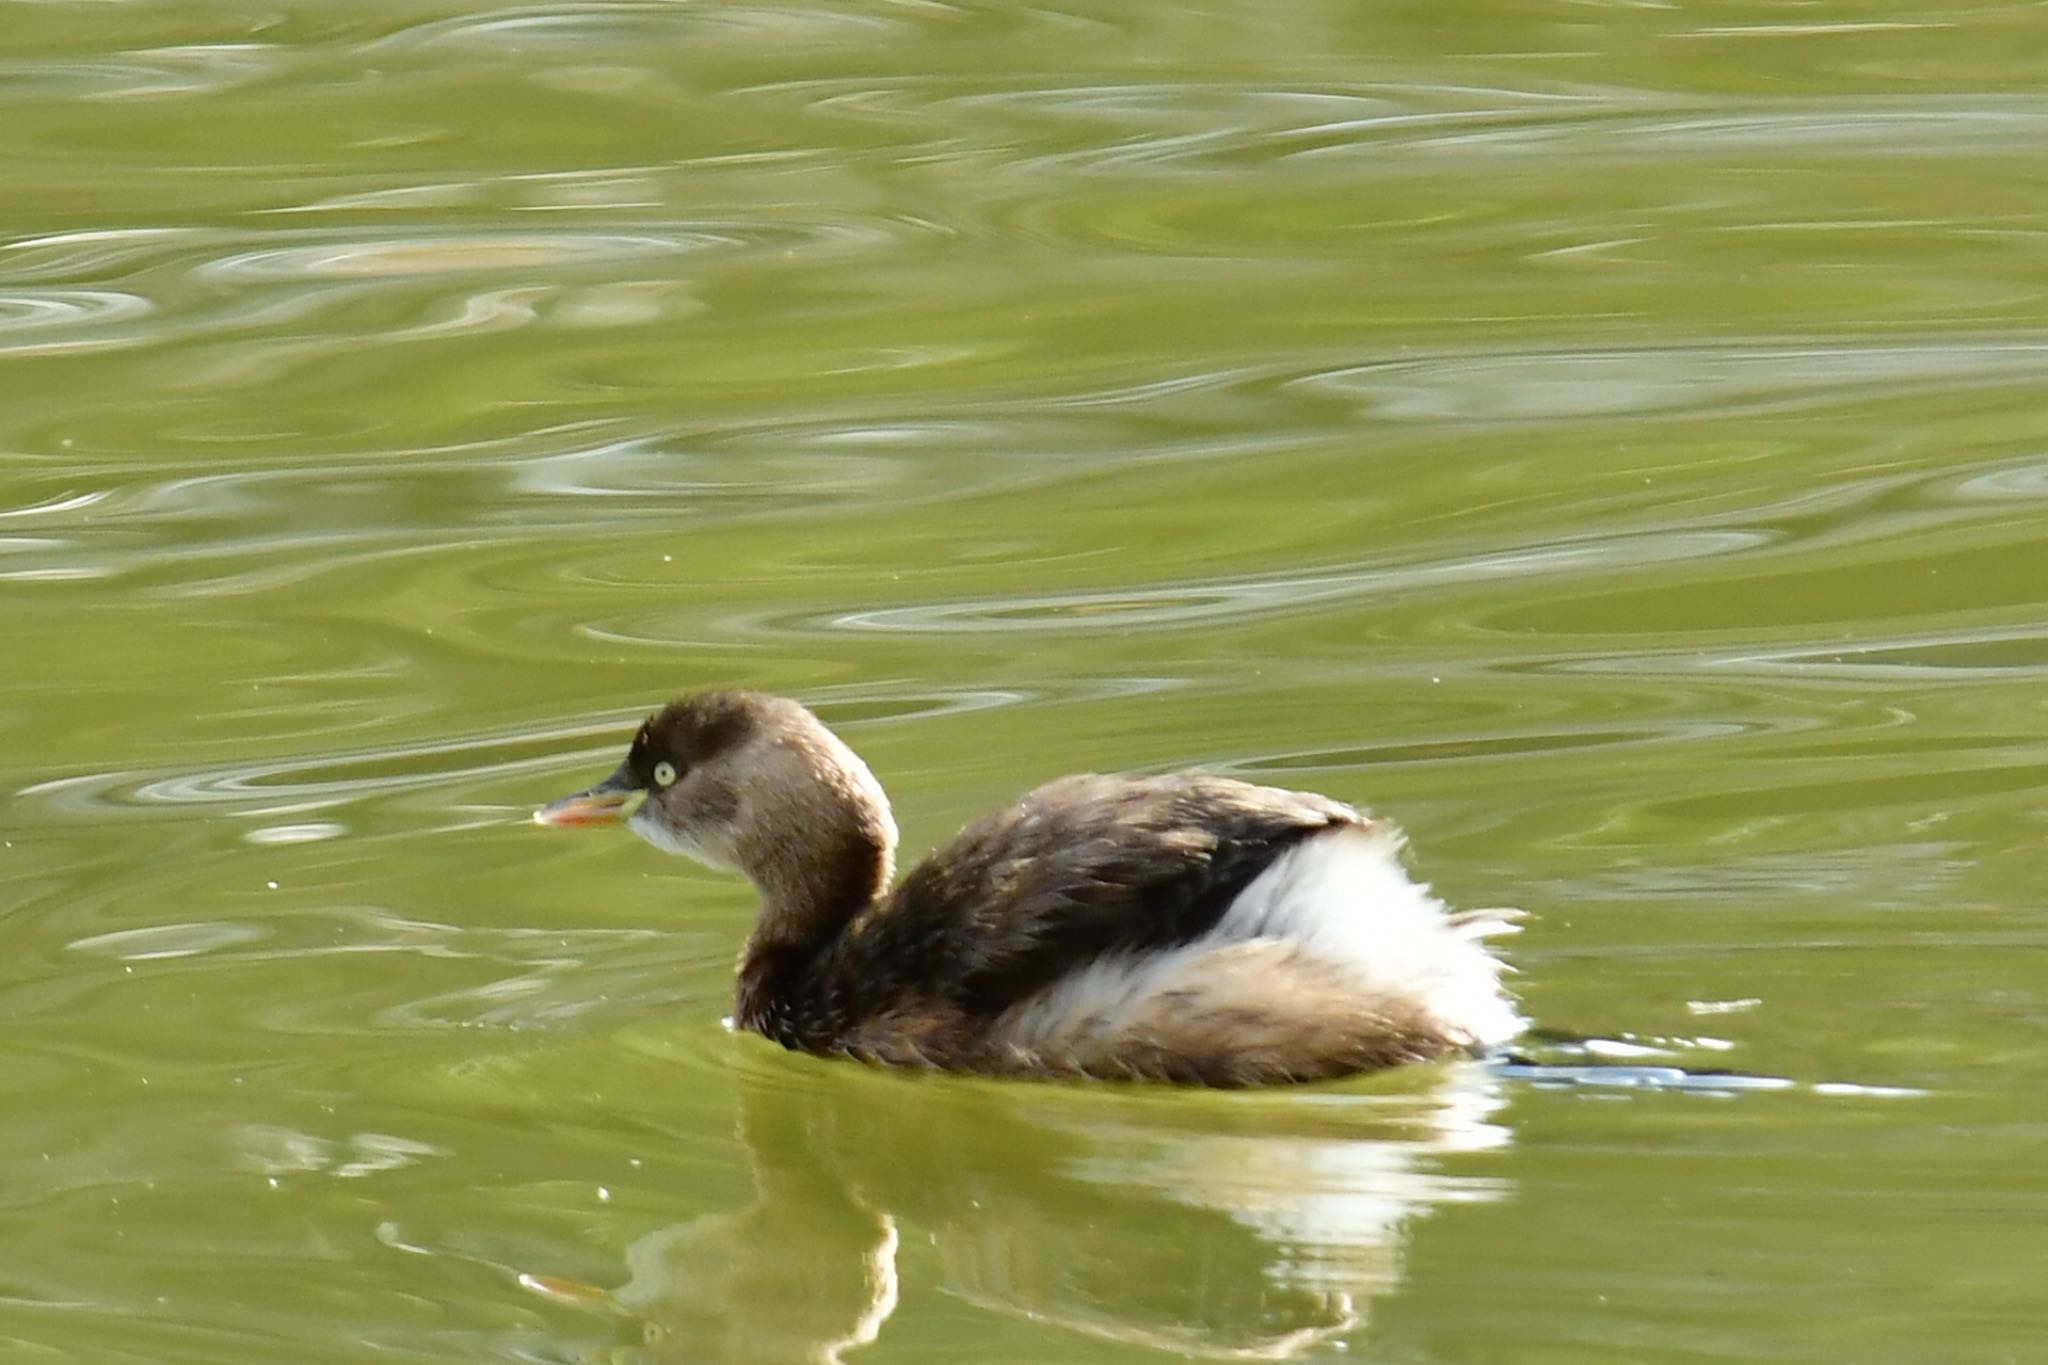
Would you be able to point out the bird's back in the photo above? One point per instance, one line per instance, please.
(1185, 927)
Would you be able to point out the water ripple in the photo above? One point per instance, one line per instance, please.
(1987, 653)
(1468, 747)
(1533, 386)
(183, 70)
(23, 311)
(54, 321)
(2025, 479)
(56, 505)
(319, 782)
(413, 257)
(1263, 594)
(561, 277)
(1171, 128)
(98, 251)
(159, 941)
(624, 24)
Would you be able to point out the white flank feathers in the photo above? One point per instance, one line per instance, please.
(1338, 905)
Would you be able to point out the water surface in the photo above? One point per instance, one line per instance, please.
(1606, 439)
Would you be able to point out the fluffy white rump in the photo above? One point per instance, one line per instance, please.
(1337, 908)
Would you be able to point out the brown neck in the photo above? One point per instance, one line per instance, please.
(807, 900)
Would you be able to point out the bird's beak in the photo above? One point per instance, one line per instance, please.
(604, 804)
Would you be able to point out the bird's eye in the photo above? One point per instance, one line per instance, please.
(664, 773)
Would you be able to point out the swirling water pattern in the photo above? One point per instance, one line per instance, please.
(1608, 439)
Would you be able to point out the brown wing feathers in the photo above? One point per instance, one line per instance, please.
(1084, 866)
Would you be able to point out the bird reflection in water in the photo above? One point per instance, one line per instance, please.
(1255, 1226)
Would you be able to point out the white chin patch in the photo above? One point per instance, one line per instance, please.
(671, 840)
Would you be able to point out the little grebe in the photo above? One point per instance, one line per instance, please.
(1184, 928)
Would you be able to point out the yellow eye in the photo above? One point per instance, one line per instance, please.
(664, 773)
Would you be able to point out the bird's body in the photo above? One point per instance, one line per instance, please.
(1187, 928)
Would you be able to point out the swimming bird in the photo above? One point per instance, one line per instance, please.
(1185, 928)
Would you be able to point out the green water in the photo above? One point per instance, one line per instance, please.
(1607, 439)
